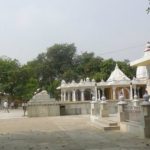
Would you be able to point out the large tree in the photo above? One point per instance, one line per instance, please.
(86, 64)
(8, 75)
(60, 58)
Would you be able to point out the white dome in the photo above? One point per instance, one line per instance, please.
(147, 50)
(117, 75)
(141, 72)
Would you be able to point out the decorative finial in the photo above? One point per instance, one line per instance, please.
(63, 82)
(116, 66)
(147, 47)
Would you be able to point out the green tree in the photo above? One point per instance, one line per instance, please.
(60, 58)
(51, 67)
(86, 65)
(51, 88)
(8, 71)
(107, 66)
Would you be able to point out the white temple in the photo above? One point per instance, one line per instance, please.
(143, 67)
(117, 83)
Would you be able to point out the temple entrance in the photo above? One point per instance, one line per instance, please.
(124, 90)
(87, 94)
(78, 95)
(108, 94)
(141, 91)
(62, 110)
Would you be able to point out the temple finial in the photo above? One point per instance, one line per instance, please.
(147, 48)
(116, 67)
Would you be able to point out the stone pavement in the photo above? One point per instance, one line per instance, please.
(13, 113)
(63, 133)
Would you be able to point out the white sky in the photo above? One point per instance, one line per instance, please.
(29, 27)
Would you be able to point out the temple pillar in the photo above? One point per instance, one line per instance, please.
(135, 95)
(82, 95)
(103, 92)
(69, 96)
(148, 86)
(74, 95)
(138, 93)
(99, 95)
(114, 93)
(95, 92)
(64, 95)
(135, 100)
(131, 92)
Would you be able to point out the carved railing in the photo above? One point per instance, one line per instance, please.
(132, 113)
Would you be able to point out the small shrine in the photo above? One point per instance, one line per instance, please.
(143, 67)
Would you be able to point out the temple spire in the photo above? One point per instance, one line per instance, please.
(116, 67)
(147, 48)
(117, 75)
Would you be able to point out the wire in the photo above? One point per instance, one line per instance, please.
(114, 51)
(122, 50)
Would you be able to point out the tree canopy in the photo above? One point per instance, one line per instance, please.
(46, 71)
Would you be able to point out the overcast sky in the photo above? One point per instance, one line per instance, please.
(109, 28)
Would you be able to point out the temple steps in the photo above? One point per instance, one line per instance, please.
(105, 124)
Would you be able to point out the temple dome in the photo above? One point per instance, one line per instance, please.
(147, 47)
(117, 75)
(147, 50)
(141, 72)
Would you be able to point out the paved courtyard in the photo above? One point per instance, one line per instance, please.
(13, 113)
(61, 133)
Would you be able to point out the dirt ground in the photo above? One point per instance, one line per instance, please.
(62, 133)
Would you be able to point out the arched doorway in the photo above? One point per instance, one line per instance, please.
(124, 90)
(78, 95)
(88, 94)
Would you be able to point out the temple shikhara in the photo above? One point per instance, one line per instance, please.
(143, 67)
(117, 83)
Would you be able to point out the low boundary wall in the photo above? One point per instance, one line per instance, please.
(58, 109)
(133, 128)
